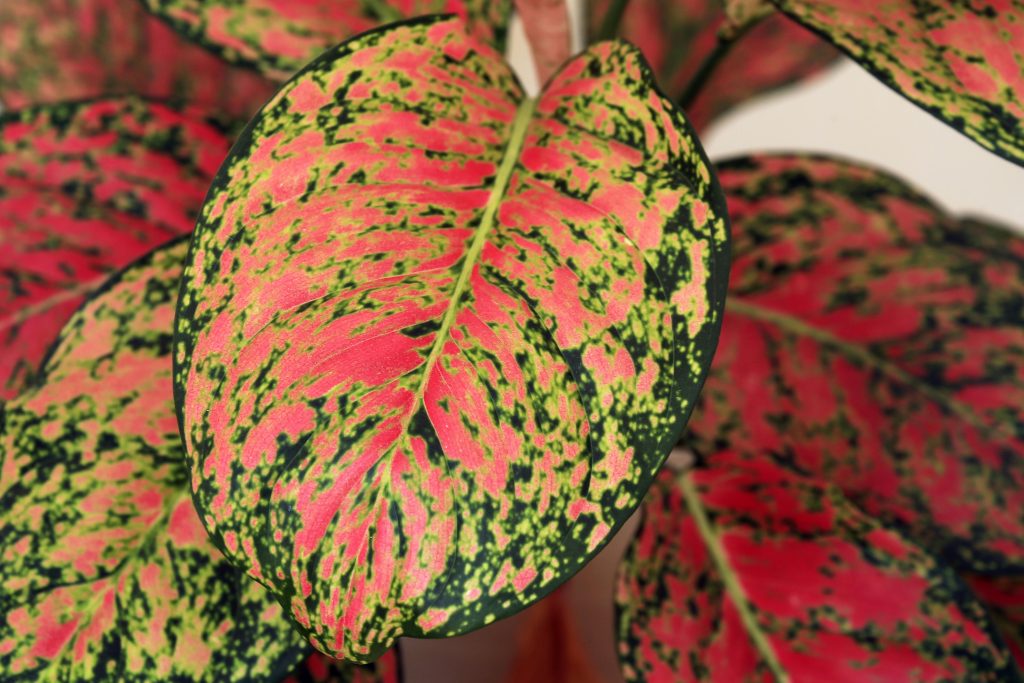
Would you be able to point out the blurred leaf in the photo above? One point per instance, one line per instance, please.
(84, 189)
(876, 342)
(69, 50)
(678, 36)
(280, 36)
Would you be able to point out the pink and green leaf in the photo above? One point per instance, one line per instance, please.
(70, 50)
(746, 571)
(85, 189)
(875, 342)
(436, 338)
(106, 571)
(961, 62)
(678, 36)
(279, 37)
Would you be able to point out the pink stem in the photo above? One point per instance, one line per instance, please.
(547, 28)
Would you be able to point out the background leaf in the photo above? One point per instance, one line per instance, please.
(677, 36)
(960, 62)
(1004, 596)
(85, 188)
(877, 343)
(829, 594)
(107, 573)
(280, 36)
(436, 338)
(69, 50)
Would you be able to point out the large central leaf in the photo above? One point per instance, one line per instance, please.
(436, 338)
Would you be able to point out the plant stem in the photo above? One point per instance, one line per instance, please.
(546, 23)
(707, 67)
(733, 589)
(612, 18)
(728, 34)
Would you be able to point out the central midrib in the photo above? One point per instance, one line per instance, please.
(508, 161)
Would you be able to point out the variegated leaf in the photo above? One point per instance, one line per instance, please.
(69, 50)
(1004, 596)
(745, 571)
(106, 572)
(319, 668)
(436, 338)
(677, 36)
(877, 343)
(961, 62)
(85, 189)
(280, 36)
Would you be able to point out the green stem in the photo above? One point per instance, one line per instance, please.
(612, 18)
(728, 35)
(733, 589)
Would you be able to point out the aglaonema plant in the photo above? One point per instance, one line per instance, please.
(432, 338)
(435, 401)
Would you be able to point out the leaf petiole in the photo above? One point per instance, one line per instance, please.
(612, 18)
(728, 35)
